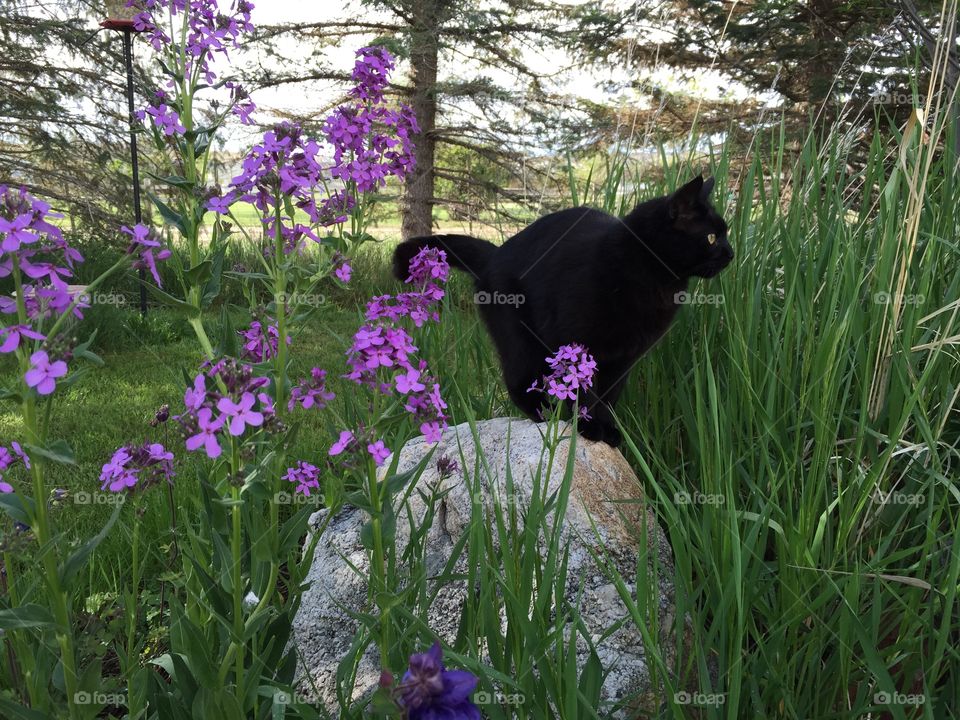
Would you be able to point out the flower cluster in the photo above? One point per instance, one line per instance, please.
(312, 392)
(210, 414)
(164, 117)
(571, 369)
(9, 458)
(428, 270)
(208, 30)
(143, 245)
(145, 464)
(33, 246)
(428, 690)
(370, 140)
(382, 354)
(306, 476)
(241, 102)
(286, 163)
(261, 341)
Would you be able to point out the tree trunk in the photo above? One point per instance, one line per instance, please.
(417, 209)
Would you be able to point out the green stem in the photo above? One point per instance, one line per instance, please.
(41, 524)
(238, 625)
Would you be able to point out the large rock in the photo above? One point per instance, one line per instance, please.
(606, 513)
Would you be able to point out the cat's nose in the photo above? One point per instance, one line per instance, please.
(727, 253)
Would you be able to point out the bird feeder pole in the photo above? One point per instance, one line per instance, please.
(120, 19)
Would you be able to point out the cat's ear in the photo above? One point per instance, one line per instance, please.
(686, 200)
(707, 188)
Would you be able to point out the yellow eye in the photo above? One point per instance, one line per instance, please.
(712, 239)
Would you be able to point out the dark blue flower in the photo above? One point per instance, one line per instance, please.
(431, 692)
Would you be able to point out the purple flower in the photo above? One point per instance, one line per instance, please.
(429, 691)
(13, 335)
(206, 436)
(164, 117)
(428, 265)
(306, 476)
(240, 414)
(43, 374)
(311, 393)
(343, 273)
(572, 370)
(9, 458)
(219, 205)
(379, 452)
(144, 245)
(146, 464)
(345, 442)
(262, 341)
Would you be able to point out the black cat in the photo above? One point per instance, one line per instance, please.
(584, 276)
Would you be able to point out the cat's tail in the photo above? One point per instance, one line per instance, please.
(463, 252)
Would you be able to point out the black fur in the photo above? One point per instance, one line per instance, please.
(588, 277)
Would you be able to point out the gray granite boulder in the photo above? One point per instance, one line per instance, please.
(606, 513)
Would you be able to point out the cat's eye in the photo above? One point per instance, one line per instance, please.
(712, 239)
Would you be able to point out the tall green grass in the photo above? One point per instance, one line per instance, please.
(799, 435)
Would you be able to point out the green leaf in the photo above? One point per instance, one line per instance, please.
(6, 394)
(15, 711)
(58, 451)
(212, 287)
(75, 562)
(169, 215)
(198, 274)
(26, 616)
(16, 508)
(173, 180)
(170, 301)
(228, 345)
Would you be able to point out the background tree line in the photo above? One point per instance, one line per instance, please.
(489, 83)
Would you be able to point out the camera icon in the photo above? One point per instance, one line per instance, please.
(482, 698)
(681, 298)
(82, 498)
(881, 698)
(82, 698)
(881, 298)
(682, 498)
(481, 298)
(283, 498)
(282, 698)
(682, 698)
